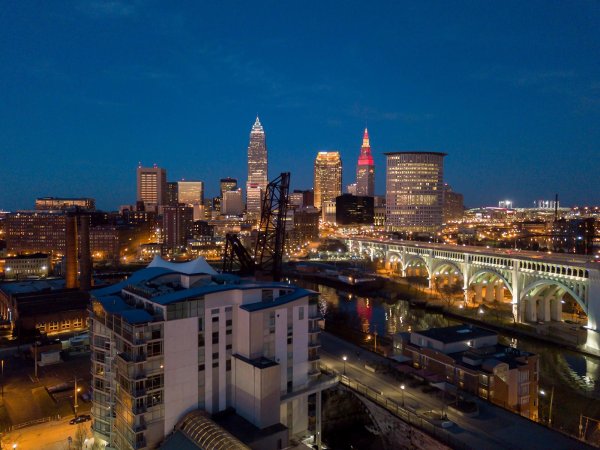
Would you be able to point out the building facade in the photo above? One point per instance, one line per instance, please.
(232, 205)
(36, 231)
(257, 169)
(354, 210)
(328, 177)
(454, 207)
(174, 338)
(151, 186)
(227, 184)
(414, 191)
(471, 359)
(178, 227)
(365, 170)
(62, 204)
(23, 266)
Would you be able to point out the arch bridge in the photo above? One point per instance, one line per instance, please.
(534, 283)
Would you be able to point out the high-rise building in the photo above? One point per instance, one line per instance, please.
(172, 193)
(454, 207)
(351, 189)
(151, 186)
(227, 184)
(171, 339)
(178, 227)
(365, 170)
(257, 169)
(62, 204)
(231, 205)
(414, 191)
(191, 193)
(354, 210)
(328, 177)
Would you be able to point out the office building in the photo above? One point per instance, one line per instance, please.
(36, 231)
(172, 193)
(351, 189)
(191, 193)
(62, 204)
(151, 187)
(24, 266)
(227, 184)
(328, 213)
(454, 207)
(174, 338)
(177, 228)
(306, 225)
(231, 205)
(328, 178)
(365, 170)
(471, 359)
(257, 169)
(354, 210)
(414, 191)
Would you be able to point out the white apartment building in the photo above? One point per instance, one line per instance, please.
(174, 338)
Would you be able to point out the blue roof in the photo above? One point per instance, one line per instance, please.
(134, 316)
(135, 278)
(281, 300)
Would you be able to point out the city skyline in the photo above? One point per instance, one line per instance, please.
(519, 91)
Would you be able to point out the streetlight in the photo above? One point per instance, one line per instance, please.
(402, 390)
(76, 390)
(344, 358)
(543, 393)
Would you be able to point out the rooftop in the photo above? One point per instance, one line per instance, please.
(456, 333)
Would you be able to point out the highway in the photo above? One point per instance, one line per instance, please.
(495, 428)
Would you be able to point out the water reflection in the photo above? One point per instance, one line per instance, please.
(565, 369)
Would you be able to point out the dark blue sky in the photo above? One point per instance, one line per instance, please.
(510, 90)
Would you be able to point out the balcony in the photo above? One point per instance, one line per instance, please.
(314, 357)
(139, 444)
(313, 329)
(141, 409)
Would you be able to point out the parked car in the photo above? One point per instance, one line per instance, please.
(80, 419)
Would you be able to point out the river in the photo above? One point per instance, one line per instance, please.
(574, 376)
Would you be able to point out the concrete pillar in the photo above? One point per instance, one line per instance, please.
(543, 308)
(431, 284)
(556, 308)
(499, 288)
(404, 273)
(318, 422)
(518, 307)
(489, 292)
(478, 287)
(531, 309)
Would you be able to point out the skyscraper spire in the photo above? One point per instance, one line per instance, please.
(365, 171)
(257, 169)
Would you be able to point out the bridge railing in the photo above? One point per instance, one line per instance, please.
(398, 410)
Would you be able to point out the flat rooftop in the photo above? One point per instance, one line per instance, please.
(457, 333)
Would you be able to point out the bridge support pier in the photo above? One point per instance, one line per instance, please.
(555, 307)
(478, 287)
(499, 291)
(489, 292)
(530, 309)
(543, 308)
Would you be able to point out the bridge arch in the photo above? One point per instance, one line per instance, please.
(492, 273)
(416, 262)
(441, 265)
(543, 300)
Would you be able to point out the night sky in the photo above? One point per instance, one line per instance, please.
(510, 90)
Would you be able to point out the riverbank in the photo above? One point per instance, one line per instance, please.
(394, 289)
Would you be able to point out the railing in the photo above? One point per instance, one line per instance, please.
(396, 409)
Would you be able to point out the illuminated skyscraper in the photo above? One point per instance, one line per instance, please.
(328, 177)
(365, 170)
(257, 168)
(151, 186)
(227, 184)
(414, 191)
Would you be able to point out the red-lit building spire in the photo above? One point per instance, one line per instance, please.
(365, 171)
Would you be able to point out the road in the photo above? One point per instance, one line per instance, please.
(494, 429)
(47, 436)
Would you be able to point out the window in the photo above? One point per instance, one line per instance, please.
(200, 367)
(41, 326)
(228, 347)
(215, 319)
(215, 337)
(78, 322)
(301, 313)
(227, 331)
(215, 364)
(154, 348)
(216, 355)
(228, 322)
(228, 364)
(154, 382)
(289, 340)
(53, 326)
(267, 295)
(154, 399)
(65, 324)
(200, 339)
(200, 324)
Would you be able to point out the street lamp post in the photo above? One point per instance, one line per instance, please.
(543, 393)
(402, 390)
(344, 358)
(2, 378)
(75, 392)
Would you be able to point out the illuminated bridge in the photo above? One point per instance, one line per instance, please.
(534, 283)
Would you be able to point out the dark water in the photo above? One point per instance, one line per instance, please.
(575, 377)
